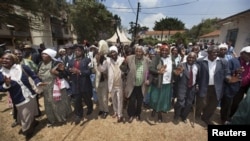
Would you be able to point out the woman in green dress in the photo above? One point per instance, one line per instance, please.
(161, 76)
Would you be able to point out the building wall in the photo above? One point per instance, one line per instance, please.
(43, 35)
(243, 36)
(157, 36)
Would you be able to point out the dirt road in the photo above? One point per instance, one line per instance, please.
(94, 128)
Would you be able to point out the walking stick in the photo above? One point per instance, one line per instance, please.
(194, 110)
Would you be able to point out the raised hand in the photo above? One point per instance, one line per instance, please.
(7, 80)
(162, 70)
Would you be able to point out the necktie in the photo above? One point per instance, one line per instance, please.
(190, 82)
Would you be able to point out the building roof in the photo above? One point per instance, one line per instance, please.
(211, 34)
(244, 14)
(171, 32)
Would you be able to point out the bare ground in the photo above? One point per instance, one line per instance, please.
(94, 128)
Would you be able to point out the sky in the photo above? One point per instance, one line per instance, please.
(190, 12)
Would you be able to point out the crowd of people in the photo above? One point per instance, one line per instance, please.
(159, 77)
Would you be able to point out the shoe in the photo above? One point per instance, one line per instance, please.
(176, 121)
(120, 119)
(131, 119)
(77, 120)
(104, 115)
(14, 124)
(153, 113)
(146, 106)
(159, 117)
(28, 136)
(100, 113)
(138, 118)
(114, 115)
(184, 120)
(89, 111)
(49, 124)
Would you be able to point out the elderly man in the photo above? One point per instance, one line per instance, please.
(187, 76)
(230, 89)
(136, 68)
(213, 72)
(112, 65)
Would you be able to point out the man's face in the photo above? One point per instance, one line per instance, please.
(139, 53)
(196, 49)
(174, 52)
(191, 58)
(78, 52)
(19, 54)
(222, 51)
(7, 61)
(69, 51)
(246, 56)
(164, 52)
(212, 55)
(113, 55)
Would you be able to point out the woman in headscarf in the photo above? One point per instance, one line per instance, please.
(14, 80)
(56, 100)
(160, 92)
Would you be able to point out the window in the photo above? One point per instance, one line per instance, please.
(232, 35)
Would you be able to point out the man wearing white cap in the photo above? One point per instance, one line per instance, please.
(245, 78)
(115, 86)
(230, 89)
(223, 47)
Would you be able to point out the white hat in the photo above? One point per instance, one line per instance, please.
(93, 46)
(113, 48)
(190, 44)
(223, 45)
(52, 53)
(61, 50)
(159, 44)
(245, 49)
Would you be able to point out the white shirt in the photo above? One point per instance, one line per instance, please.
(211, 69)
(168, 72)
(195, 71)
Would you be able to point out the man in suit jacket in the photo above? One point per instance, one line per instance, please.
(81, 83)
(186, 88)
(213, 72)
(137, 67)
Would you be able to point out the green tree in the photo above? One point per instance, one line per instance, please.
(206, 26)
(91, 20)
(169, 24)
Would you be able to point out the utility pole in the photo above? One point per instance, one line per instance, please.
(138, 10)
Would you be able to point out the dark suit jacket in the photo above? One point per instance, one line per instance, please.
(81, 83)
(182, 80)
(220, 76)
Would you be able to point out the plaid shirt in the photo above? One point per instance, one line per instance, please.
(139, 72)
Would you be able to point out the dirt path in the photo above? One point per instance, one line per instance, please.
(94, 128)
